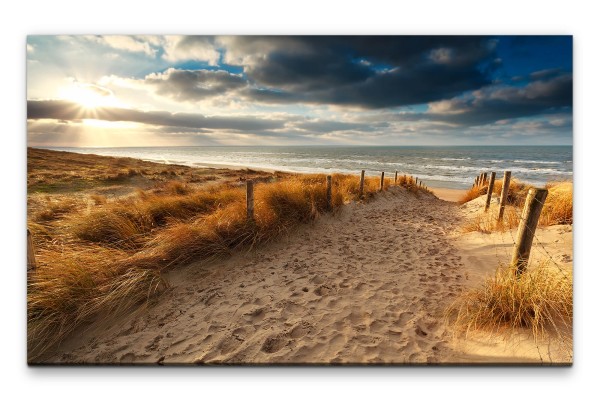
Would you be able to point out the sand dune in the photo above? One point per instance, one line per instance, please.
(367, 286)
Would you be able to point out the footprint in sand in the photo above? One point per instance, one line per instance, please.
(300, 330)
(229, 344)
(323, 290)
(255, 316)
(153, 345)
(404, 318)
(273, 344)
(420, 332)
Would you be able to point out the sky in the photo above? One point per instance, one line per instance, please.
(104, 91)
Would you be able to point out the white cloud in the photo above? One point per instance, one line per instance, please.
(201, 48)
(127, 43)
(30, 48)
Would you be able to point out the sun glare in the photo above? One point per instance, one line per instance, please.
(90, 96)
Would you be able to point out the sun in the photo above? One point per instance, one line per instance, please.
(89, 96)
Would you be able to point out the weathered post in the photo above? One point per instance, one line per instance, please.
(529, 219)
(31, 265)
(381, 183)
(484, 178)
(396, 178)
(504, 194)
(250, 200)
(362, 183)
(329, 204)
(477, 181)
(490, 190)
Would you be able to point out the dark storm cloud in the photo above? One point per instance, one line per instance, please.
(367, 72)
(194, 85)
(498, 102)
(502, 103)
(64, 110)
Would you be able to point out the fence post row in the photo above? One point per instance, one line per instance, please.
(250, 200)
(329, 204)
(504, 194)
(490, 190)
(529, 219)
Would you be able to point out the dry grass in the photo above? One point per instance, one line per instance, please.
(517, 192)
(487, 222)
(55, 208)
(539, 300)
(106, 258)
(472, 193)
(558, 207)
(71, 287)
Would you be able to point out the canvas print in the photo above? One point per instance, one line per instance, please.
(336, 200)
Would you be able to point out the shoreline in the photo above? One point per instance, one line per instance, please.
(433, 177)
(445, 193)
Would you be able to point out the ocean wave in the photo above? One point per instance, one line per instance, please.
(535, 162)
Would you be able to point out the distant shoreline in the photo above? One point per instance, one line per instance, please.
(452, 169)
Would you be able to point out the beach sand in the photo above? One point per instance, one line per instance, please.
(369, 285)
(448, 194)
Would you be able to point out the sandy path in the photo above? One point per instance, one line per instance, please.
(367, 286)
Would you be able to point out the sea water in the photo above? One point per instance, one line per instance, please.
(448, 166)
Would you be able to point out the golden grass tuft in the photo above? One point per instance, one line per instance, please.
(122, 224)
(539, 300)
(55, 208)
(558, 207)
(72, 286)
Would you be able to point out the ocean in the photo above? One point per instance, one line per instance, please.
(447, 167)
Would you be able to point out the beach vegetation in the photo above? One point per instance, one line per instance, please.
(539, 301)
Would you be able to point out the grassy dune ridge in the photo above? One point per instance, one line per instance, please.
(558, 207)
(101, 245)
(541, 299)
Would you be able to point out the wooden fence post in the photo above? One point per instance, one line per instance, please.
(250, 200)
(481, 179)
(362, 183)
(381, 183)
(504, 194)
(484, 178)
(329, 204)
(529, 219)
(396, 178)
(490, 190)
(31, 264)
